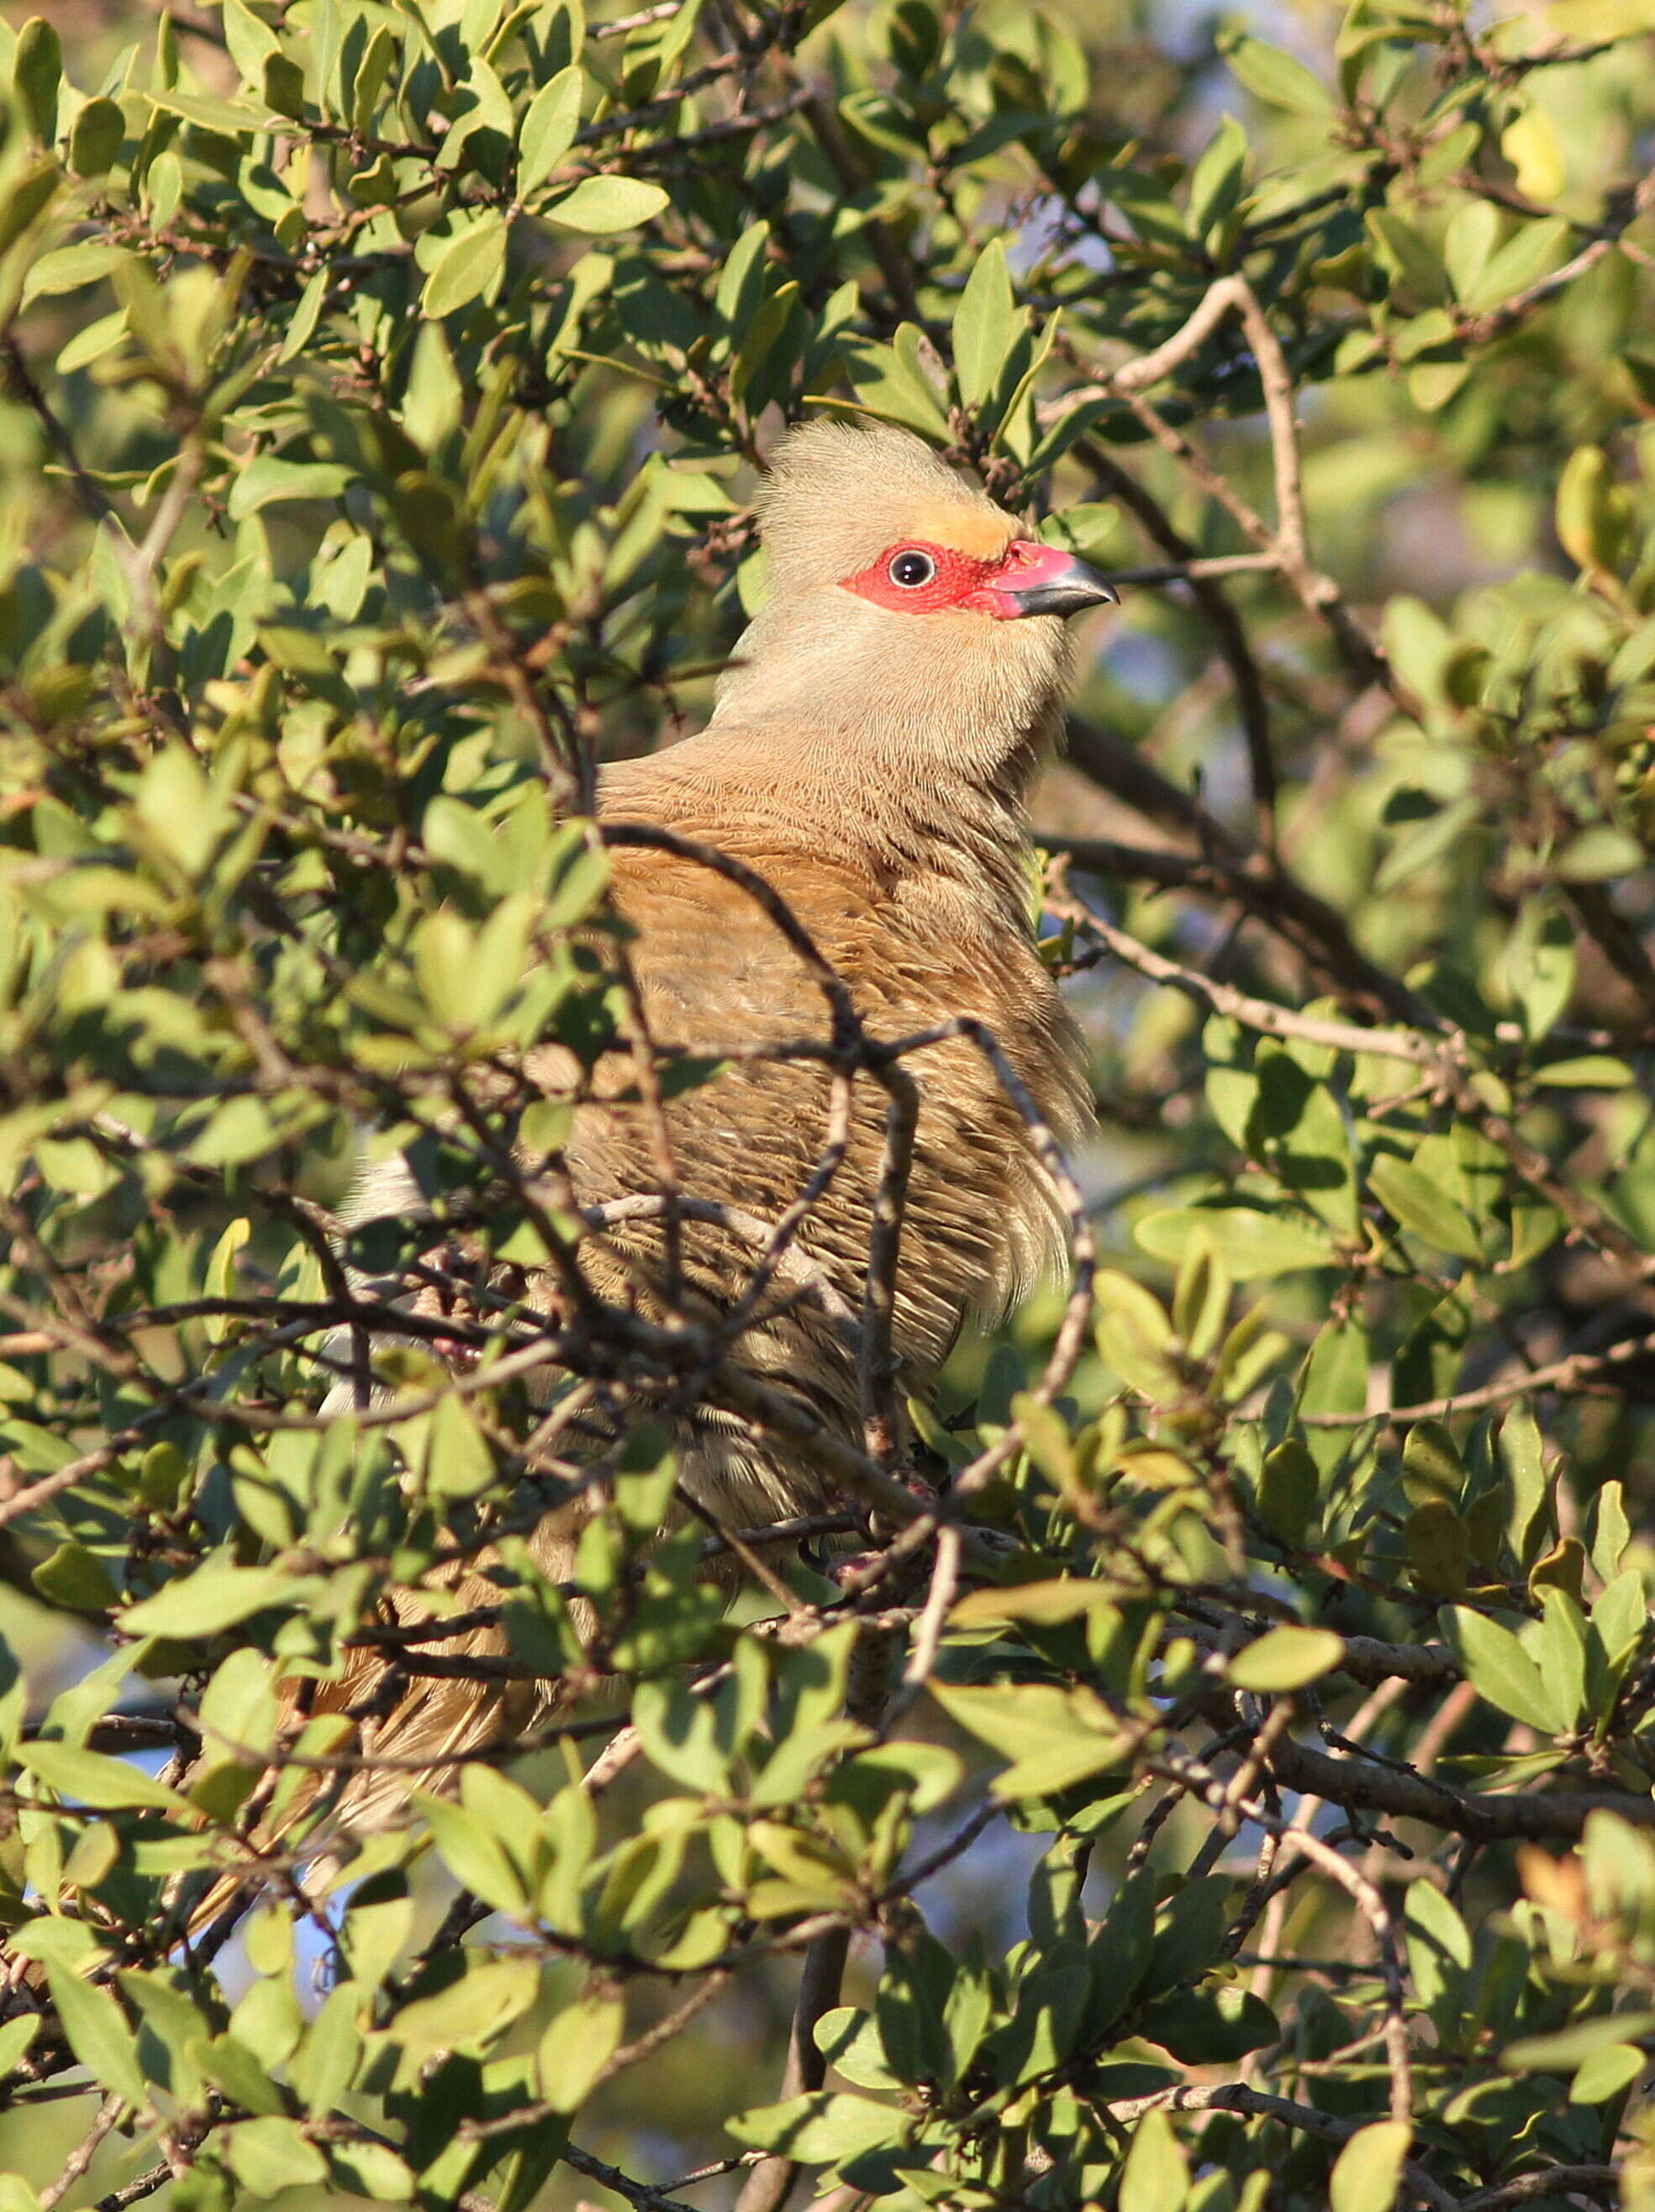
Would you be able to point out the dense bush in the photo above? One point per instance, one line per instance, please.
(384, 386)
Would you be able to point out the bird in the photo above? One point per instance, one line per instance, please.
(872, 741)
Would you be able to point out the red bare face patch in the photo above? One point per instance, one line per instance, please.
(916, 577)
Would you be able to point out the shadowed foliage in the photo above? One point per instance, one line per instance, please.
(1221, 1779)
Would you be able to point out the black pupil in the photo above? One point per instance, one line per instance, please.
(911, 569)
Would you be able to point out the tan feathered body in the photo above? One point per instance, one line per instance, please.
(872, 766)
(919, 943)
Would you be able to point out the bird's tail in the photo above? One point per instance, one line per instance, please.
(411, 1727)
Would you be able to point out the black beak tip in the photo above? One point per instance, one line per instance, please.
(1097, 590)
(1070, 594)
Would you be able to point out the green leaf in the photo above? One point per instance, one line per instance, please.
(822, 2128)
(1419, 1203)
(1600, 854)
(1252, 1245)
(1217, 181)
(1287, 1488)
(467, 267)
(1135, 1337)
(93, 1778)
(1286, 1659)
(477, 1859)
(1275, 77)
(325, 2062)
(213, 1598)
(1421, 645)
(37, 77)
(1410, 258)
(680, 1733)
(372, 2170)
(231, 119)
(552, 117)
(985, 324)
(848, 2038)
(269, 2155)
(75, 1578)
(1043, 1602)
(599, 205)
(92, 342)
(1523, 1453)
(891, 385)
(457, 1461)
(1211, 2026)
(1438, 1954)
(1499, 1669)
(1052, 1737)
(1297, 1129)
(1618, 1612)
(1432, 1466)
(1469, 242)
(27, 196)
(227, 2061)
(1155, 2176)
(1563, 1654)
(471, 2011)
(268, 478)
(97, 2035)
(96, 137)
(1607, 2073)
(1532, 145)
(16, 2036)
(251, 43)
(1437, 1540)
(1589, 1071)
(1534, 249)
(1572, 2045)
(579, 2042)
(70, 267)
(1368, 2171)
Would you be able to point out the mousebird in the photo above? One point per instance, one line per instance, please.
(872, 741)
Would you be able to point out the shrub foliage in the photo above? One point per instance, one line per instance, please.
(384, 386)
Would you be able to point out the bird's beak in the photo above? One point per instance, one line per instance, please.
(1043, 580)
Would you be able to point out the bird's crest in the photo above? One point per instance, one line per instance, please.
(838, 493)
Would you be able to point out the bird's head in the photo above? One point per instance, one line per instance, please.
(908, 611)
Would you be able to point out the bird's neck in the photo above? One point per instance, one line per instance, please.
(898, 747)
(953, 704)
(781, 784)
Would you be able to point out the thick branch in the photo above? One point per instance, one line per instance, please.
(1538, 1815)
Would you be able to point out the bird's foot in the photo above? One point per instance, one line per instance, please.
(854, 1569)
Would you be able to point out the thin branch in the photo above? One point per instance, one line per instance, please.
(133, 2192)
(1548, 2181)
(1535, 1814)
(1615, 938)
(1562, 1375)
(1259, 880)
(768, 2187)
(80, 2157)
(1261, 1014)
(1222, 619)
(637, 2193)
(1234, 2097)
(92, 497)
(877, 1371)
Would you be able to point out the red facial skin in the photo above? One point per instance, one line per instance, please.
(961, 582)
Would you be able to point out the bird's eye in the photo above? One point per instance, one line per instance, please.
(912, 569)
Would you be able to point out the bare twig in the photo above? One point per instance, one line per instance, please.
(1561, 1376)
(769, 2186)
(877, 1369)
